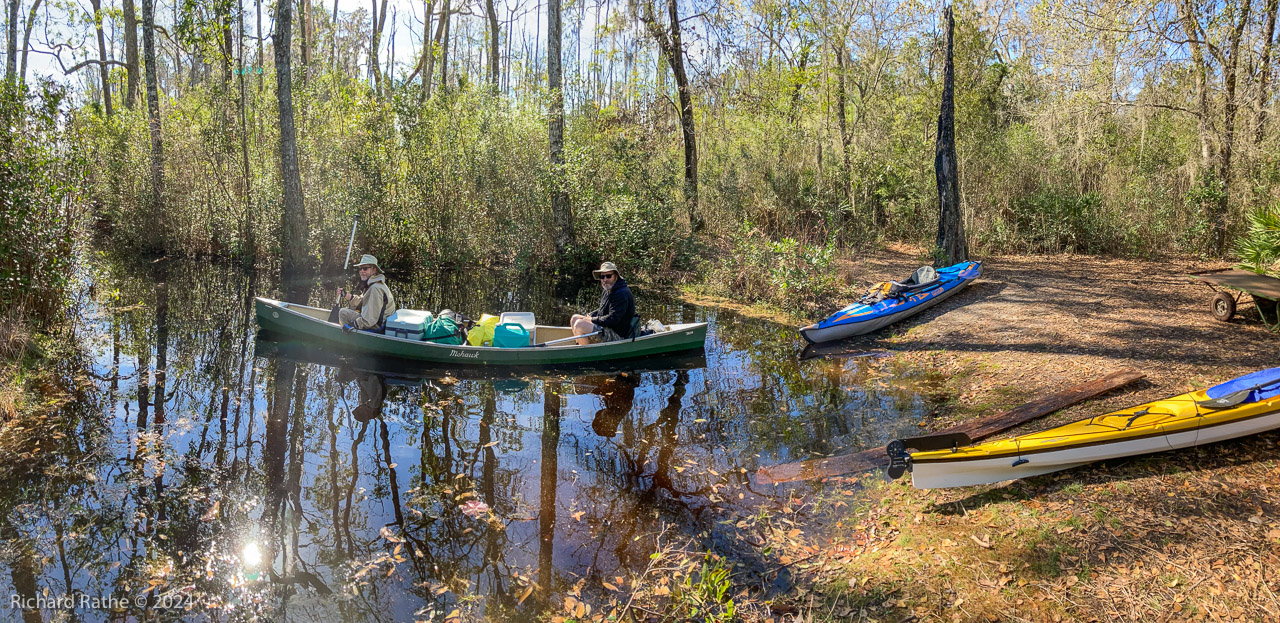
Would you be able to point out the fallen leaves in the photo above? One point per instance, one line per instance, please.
(474, 508)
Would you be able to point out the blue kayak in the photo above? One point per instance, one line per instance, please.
(891, 301)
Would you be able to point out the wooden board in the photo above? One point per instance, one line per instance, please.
(1253, 283)
(976, 430)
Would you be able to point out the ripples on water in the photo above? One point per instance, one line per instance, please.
(205, 468)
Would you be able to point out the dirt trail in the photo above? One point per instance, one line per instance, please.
(1053, 321)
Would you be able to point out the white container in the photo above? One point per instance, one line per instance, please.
(524, 319)
(408, 323)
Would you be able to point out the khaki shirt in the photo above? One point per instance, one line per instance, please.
(369, 304)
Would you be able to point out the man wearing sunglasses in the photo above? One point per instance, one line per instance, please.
(368, 311)
(615, 316)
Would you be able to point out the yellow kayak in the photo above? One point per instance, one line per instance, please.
(1242, 406)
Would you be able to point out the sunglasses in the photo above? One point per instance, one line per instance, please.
(608, 276)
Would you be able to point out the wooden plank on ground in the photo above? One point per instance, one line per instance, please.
(976, 430)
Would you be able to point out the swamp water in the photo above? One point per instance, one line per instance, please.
(200, 471)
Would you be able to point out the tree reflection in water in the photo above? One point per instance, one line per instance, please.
(486, 492)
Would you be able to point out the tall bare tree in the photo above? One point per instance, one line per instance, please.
(1264, 73)
(103, 70)
(379, 20)
(1231, 64)
(131, 53)
(153, 116)
(667, 37)
(250, 241)
(441, 27)
(308, 27)
(492, 13)
(951, 244)
(293, 226)
(1205, 28)
(561, 217)
(11, 45)
(26, 37)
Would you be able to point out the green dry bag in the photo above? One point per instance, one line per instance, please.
(444, 331)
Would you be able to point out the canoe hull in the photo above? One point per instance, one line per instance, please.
(1168, 424)
(299, 321)
(835, 328)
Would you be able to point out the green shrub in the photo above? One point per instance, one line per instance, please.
(642, 236)
(785, 273)
(41, 171)
(1259, 248)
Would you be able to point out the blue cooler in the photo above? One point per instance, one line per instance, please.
(410, 324)
(510, 335)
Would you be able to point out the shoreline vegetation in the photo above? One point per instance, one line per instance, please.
(776, 163)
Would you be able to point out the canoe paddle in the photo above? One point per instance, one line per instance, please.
(565, 339)
(1234, 398)
(333, 313)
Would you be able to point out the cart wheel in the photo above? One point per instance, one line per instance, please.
(1223, 307)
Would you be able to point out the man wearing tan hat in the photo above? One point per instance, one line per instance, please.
(368, 311)
(614, 319)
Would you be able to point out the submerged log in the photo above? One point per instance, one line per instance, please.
(976, 430)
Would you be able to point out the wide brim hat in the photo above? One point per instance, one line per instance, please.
(607, 267)
(368, 260)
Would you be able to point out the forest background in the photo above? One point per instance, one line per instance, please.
(746, 145)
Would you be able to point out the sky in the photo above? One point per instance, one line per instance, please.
(64, 27)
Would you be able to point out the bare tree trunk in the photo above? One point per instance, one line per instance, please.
(103, 70)
(1230, 69)
(308, 27)
(444, 56)
(428, 77)
(842, 118)
(1264, 78)
(951, 244)
(153, 115)
(249, 251)
(379, 20)
(1191, 28)
(670, 46)
(561, 217)
(224, 7)
(131, 53)
(390, 73)
(492, 13)
(333, 45)
(11, 49)
(261, 68)
(175, 77)
(26, 38)
(425, 51)
(293, 230)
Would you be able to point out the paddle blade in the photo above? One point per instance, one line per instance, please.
(1236, 397)
(1224, 402)
(899, 459)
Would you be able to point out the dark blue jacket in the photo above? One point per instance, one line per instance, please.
(617, 308)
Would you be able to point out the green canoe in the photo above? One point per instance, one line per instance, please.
(301, 321)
